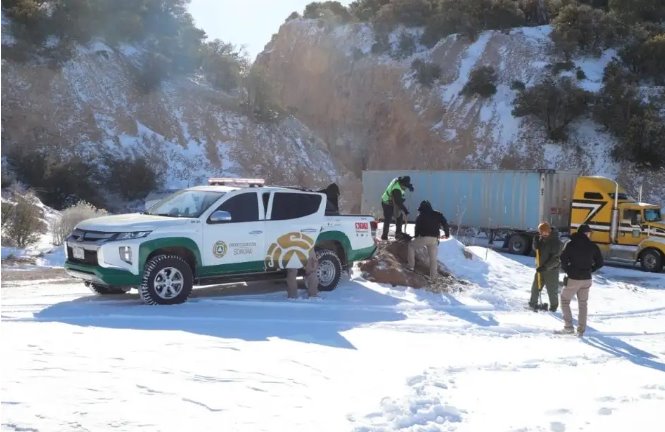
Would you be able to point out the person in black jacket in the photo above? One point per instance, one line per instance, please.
(427, 233)
(580, 258)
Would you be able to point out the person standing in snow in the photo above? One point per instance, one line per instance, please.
(311, 278)
(427, 233)
(548, 249)
(392, 202)
(580, 258)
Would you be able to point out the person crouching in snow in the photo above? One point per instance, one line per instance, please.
(427, 233)
(548, 249)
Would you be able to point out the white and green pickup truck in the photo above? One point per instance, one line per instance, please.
(229, 230)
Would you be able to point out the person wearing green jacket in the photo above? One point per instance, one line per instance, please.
(392, 203)
(548, 251)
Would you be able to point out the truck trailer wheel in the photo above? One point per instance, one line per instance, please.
(329, 270)
(519, 244)
(167, 279)
(106, 290)
(652, 261)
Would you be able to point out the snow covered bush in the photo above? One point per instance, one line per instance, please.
(482, 81)
(426, 72)
(70, 217)
(22, 222)
(555, 103)
(581, 28)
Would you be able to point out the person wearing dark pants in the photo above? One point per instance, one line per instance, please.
(548, 248)
(580, 258)
(392, 202)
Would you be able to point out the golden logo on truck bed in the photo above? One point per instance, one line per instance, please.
(288, 246)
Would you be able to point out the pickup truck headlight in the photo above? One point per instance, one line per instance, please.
(132, 235)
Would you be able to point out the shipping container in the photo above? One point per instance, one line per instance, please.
(495, 200)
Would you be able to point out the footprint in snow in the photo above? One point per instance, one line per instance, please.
(557, 427)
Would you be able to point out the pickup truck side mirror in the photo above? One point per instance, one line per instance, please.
(220, 216)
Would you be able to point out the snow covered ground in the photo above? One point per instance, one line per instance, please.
(366, 357)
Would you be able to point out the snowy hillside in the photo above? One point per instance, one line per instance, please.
(379, 116)
(89, 106)
(364, 358)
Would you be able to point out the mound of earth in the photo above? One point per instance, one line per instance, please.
(389, 266)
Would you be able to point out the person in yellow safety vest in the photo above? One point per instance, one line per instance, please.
(392, 202)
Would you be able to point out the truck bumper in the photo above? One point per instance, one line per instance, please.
(102, 276)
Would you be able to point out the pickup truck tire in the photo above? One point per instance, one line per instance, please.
(651, 261)
(519, 244)
(329, 270)
(106, 290)
(167, 279)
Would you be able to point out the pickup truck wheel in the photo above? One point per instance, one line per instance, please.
(329, 270)
(518, 244)
(106, 290)
(652, 261)
(167, 279)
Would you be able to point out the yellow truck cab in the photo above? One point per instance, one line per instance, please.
(625, 230)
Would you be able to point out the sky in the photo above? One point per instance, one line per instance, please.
(248, 23)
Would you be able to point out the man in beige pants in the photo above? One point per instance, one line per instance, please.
(580, 258)
(427, 233)
(311, 278)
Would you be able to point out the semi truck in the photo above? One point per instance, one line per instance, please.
(509, 204)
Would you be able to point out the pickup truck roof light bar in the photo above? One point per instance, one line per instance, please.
(229, 181)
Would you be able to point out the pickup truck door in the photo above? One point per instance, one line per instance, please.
(293, 223)
(235, 246)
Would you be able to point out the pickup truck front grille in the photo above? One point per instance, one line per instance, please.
(89, 257)
(82, 235)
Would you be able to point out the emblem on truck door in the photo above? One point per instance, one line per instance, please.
(291, 248)
(219, 249)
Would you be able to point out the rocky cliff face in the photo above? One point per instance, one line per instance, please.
(373, 114)
(90, 106)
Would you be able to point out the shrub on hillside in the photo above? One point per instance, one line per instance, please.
(535, 12)
(260, 102)
(581, 28)
(482, 81)
(426, 72)
(579, 74)
(557, 67)
(638, 10)
(22, 220)
(365, 10)
(132, 177)
(618, 100)
(452, 17)
(644, 140)
(60, 180)
(381, 43)
(327, 9)
(406, 46)
(500, 14)
(555, 103)
(517, 85)
(223, 65)
(153, 70)
(70, 217)
(411, 13)
(645, 55)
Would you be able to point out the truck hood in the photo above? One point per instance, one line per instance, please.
(657, 228)
(132, 222)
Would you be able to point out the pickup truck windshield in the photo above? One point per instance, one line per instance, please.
(185, 203)
(652, 215)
